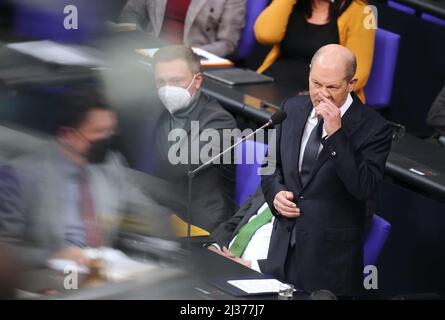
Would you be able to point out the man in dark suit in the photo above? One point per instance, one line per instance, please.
(188, 133)
(331, 154)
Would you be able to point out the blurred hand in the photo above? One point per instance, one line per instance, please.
(228, 254)
(284, 205)
(215, 249)
(330, 113)
(72, 253)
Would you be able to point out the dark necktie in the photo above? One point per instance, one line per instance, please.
(89, 218)
(311, 151)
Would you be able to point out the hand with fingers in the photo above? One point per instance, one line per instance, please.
(285, 206)
(72, 253)
(330, 113)
(228, 254)
(215, 249)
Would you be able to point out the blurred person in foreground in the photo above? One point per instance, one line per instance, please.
(71, 193)
(10, 273)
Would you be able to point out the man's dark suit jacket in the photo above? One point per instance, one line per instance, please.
(213, 187)
(323, 247)
(227, 230)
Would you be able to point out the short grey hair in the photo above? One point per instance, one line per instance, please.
(178, 52)
(350, 66)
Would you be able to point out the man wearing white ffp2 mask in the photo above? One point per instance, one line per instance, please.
(175, 98)
(178, 78)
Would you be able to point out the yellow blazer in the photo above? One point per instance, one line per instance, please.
(271, 25)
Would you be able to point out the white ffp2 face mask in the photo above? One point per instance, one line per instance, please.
(175, 98)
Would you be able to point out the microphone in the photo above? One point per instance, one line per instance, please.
(277, 118)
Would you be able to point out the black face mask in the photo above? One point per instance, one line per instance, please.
(98, 150)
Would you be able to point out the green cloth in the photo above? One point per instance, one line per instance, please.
(247, 231)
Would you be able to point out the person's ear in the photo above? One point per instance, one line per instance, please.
(64, 134)
(351, 85)
(198, 80)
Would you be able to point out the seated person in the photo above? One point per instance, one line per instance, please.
(297, 29)
(254, 222)
(189, 111)
(72, 192)
(436, 117)
(257, 237)
(214, 26)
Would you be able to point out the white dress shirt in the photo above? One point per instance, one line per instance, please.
(312, 122)
(258, 246)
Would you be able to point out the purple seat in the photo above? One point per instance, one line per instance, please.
(401, 7)
(250, 154)
(45, 21)
(378, 90)
(247, 41)
(425, 16)
(375, 239)
(433, 19)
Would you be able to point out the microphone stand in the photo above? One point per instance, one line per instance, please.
(191, 174)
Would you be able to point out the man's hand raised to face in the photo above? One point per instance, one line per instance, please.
(330, 113)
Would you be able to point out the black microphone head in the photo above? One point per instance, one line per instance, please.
(278, 117)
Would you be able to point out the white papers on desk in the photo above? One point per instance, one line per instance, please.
(121, 27)
(256, 286)
(207, 59)
(65, 264)
(118, 265)
(54, 52)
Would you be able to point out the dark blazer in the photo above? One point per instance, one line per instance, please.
(226, 231)
(323, 248)
(213, 187)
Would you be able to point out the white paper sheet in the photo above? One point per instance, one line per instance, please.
(54, 52)
(256, 285)
(207, 58)
(118, 265)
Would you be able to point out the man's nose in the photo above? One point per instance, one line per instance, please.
(325, 92)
